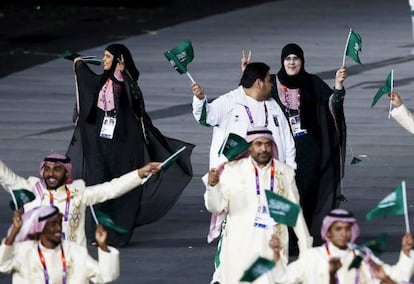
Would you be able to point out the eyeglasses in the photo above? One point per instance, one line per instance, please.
(292, 58)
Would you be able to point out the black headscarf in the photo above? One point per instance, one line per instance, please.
(303, 81)
(117, 50)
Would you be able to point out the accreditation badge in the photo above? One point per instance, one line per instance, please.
(294, 122)
(108, 127)
(263, 219)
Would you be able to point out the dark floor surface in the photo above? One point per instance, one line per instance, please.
(31, 34)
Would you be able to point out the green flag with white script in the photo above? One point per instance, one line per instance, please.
(392, 204)
(385, 89)
(258, 268)
(282, 210)
(20, 198)
(354, 46)
(233, 146)
(180, 56)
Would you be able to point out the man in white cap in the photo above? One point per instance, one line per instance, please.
(56, 187)
(238, 188)
(329, 263)
(35, 252)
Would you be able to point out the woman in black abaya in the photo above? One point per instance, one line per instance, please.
(115, 135)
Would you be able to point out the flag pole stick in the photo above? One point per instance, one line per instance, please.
(93, 214)
(392, 88)
(165, 162)
(407, 224)
(346, 47)
(191, 77)
(14, 200)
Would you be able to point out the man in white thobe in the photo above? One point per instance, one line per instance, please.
(71, 197)
(239, 189)
(43, 257)
(329, 263)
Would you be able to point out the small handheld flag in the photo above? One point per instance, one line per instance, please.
(377, 247)
(355, 160)
(180, 56)
(259, 267)
(352, 47)
(167, 162)
(171, 159)
(233, 146)
(20, 197)
(281, 209)
(394, 203)
(101, 218)
(69, 55)
(385, 89)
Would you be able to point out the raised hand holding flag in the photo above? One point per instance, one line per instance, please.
(180, 56)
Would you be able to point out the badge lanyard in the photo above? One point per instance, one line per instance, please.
(328, 252)
(51, 200)
(249, 114)
(287, 100)
(272, 178)
(67, 205)
(43, 261)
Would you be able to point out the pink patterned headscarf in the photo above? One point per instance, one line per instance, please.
(60, 159)
(340, 215)
(34, 222)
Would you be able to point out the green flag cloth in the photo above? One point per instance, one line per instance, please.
(378, 245)
(259, 267)
(233, 146)
(180, 56)
(108, 223)
(22, 197)
(281, 209)
(385, 89)
(354, 46)
(392, 204)
(355, 160)
(356, 262)
(69, 55)
(171, 159)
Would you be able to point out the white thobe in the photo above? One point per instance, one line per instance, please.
(242, 243)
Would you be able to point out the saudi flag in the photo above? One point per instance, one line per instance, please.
(20, 197)
(355, 160)
(282, 210)
(69, 55)
(171, 159)
(259, 267)
(353, 46)
(180, 56)
(385, 89)
(392, 204)
(233, 146)
(108, 223)
(376, 246)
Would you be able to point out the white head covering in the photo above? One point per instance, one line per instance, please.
(34, 222)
